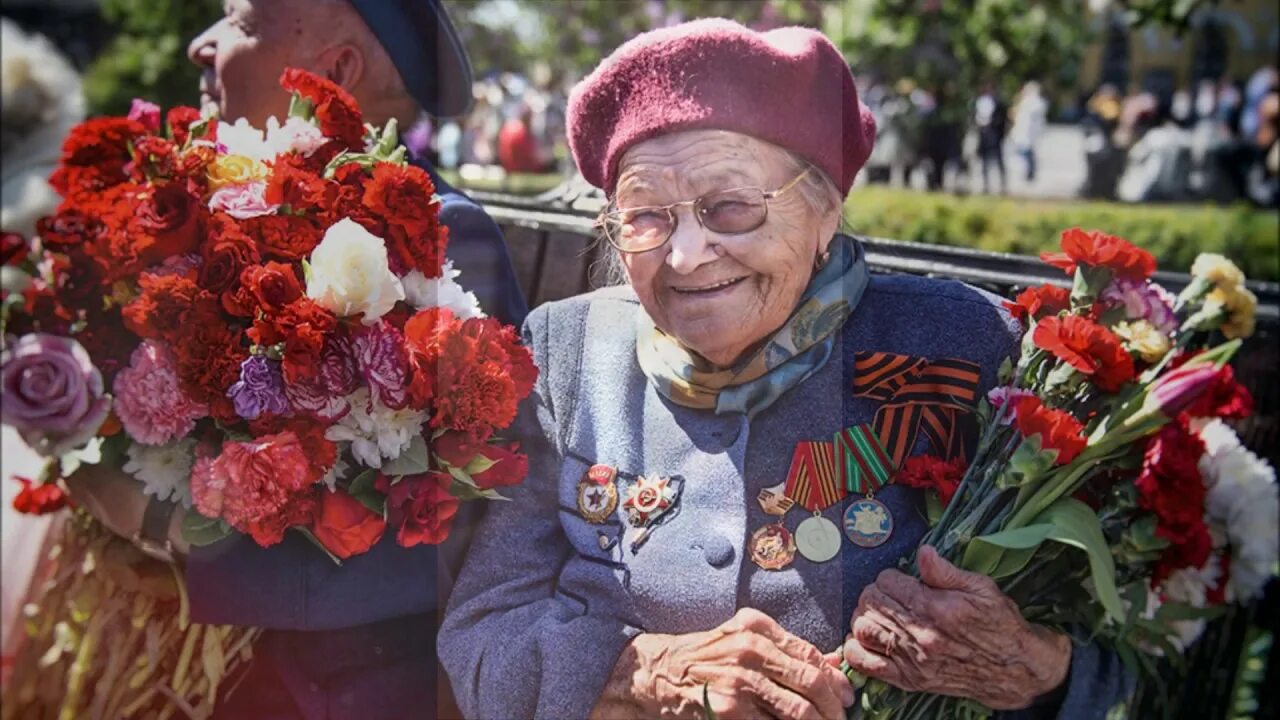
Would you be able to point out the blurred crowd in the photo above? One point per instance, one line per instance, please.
(517, 123)
(1217, 143)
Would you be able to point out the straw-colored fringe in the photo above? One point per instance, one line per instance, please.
(109, 637)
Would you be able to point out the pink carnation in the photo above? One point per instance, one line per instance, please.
(1000, 395)
(146, 113)
(252, 481)
(243, 201)
(149, 400)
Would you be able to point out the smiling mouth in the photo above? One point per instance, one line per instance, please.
(710, 289)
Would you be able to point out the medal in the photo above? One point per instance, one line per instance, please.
(597, 494)
(772, 547)
(774, 500)
(868, 523)
(864, 467)
(648, 503)
(812, 483)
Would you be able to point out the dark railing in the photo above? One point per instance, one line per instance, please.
(554, 248)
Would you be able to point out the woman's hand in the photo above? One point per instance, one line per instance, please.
(750, 667)
(953, 633)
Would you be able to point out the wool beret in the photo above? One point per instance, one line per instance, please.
(426, 50)
(790, 87)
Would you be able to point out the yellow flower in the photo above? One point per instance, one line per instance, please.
(235, 170)
(1218, 270)
(1142, 337)
(1239, 307)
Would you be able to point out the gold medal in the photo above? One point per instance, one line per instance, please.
(772, 547)
(774, 500)
(597, 494)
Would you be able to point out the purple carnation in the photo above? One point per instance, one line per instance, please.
(1142, 300)
(260, 389)
(384, 364)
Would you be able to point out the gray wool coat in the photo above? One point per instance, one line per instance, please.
(546, 600)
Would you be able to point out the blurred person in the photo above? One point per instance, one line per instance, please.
(1029, 112)
(1261, 83)
(518, 148)
(40, 101)
(1158, 165)
(991, 121)
(355, 641)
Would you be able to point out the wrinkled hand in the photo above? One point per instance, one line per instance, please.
(953, 632)
(116, 500)
(750, 666)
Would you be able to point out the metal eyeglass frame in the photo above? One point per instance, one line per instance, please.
(603, 222)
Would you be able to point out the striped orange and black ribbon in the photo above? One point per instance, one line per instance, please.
(935, 397)
(811, 482)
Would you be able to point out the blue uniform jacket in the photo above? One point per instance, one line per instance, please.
(547, 599)
(356, 640)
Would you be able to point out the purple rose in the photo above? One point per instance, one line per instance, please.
(53, 395)
(260, 389)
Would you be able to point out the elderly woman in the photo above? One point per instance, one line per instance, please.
(688, 439)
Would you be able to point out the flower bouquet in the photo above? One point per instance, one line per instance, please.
(261, 325)
(1108, 497)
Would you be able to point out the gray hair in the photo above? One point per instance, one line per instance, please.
(817, 190)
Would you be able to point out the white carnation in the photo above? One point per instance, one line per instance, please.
(1243, 504)
(165, 470)
(423, 292)
(244, 139)
(337, 472)
(1190, 586)
(350, 273)
(376, 432)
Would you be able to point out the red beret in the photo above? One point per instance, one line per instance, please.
(790, 87)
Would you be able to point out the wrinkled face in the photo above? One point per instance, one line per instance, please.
(243, 55)
(720, 295)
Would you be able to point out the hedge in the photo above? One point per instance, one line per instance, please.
(1174, 233)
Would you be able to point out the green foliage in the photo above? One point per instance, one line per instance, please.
(147, 57)
(1174, 233)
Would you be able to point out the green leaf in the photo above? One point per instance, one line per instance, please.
(306, 272)
(933, 507)
(467, 492)
(316, 541)
(363, 483)
(1029, 463)
(462, 477)
(415, 460)
(200, 531)
(1005, 372)
(1175, 611)
(707, 712)
(479, 464)
(1004, 553)
(1076, 525)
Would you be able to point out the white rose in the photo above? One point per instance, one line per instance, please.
(350, 274)
(423, 292)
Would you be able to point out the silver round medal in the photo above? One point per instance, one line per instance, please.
(818, 539)
(868, 522)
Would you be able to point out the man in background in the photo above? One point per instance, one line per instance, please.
(355, 641)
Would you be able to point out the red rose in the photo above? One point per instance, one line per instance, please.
(1038, 302)
(1058, 430)
(458, 448)
(930, 473)
(1097, 249)
(299, 511)
(79, 281)
(226, 252)
(172, 218)
(180, 120)
(68, 228)
(509, 467)
(271, 285)
(13, 248)
(1088, 347)
(420, 507)
(345, 526)
(335, 109)
(40, 499)
(285, 237)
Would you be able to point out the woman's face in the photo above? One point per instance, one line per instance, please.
(720, 295)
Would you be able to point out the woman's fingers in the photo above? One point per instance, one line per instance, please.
(806, 672)
(873, 664)
(785, 703)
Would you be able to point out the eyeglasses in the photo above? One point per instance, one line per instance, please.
(725, 212)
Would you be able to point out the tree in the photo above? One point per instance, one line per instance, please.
(147, 56)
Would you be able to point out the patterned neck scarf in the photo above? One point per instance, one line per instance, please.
(798, 349)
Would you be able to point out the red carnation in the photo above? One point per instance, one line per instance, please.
(154, 157)
(171, 219)
(294, 186)
(40, 499)
(180, 120)
(1171, 487)
(1088, 347)
(13, 248)
(299, 511)
(165, 307)
(1098, 249)
(1039, 302)
(337, 111)
(302, 326)
(1058, 430)
(209, 355)
(930, 473)
(225, 254)
(285, 237)
(95, 155)
(420, 507)
(68, 228)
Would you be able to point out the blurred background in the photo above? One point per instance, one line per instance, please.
(1001, 121)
